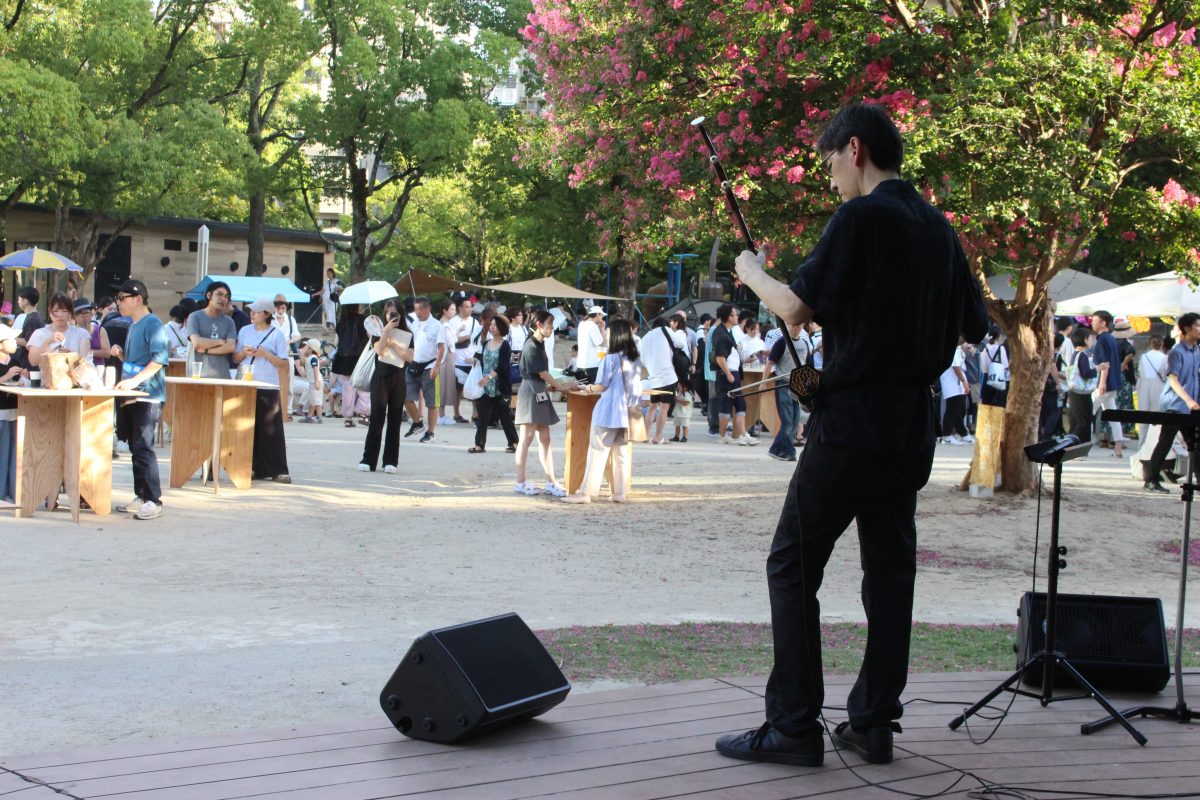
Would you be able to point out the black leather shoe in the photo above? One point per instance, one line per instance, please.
(1155, 486)
(874, 744)
(768, 744)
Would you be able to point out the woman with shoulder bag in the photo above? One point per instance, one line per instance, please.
(1082, 378)
(619, 381)
(387, 394)
(494, 359)
(352, 339)
(535, 413)
(993, 366)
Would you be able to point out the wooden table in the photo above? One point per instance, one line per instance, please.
(65, 438)
(213, 424)
(176, 368)
(754, 403)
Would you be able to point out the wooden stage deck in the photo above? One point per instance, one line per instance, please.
(647, 742)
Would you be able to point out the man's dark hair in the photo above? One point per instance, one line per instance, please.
(620, 339)
(1107, 317)
(659, 322)
(420, 301)
(29, 295)
(724, 312)
(873, 127)
(212, 287)
(1079, 336)
(1063, 323)
(1185, 320)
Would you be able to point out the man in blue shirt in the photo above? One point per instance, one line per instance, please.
(145, 355)
(1107, 359)
(1178, 396)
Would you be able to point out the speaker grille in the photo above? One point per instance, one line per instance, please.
(1114, 630)
(505, 660)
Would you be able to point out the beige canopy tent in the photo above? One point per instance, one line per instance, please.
(418, 281)
(548, 287)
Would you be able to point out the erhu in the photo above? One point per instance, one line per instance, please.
(804, 381)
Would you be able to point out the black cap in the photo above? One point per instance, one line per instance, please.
(83, 304)
(134, 286)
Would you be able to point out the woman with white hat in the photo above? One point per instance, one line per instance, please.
(263, 348)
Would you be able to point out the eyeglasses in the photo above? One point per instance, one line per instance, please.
(825, 163)
(221, 294)
(121, 297)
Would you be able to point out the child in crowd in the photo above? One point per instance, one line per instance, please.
(309, 384)
(683, 411)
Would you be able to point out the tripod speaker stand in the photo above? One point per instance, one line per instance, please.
(1187, 424)
(1053, 452)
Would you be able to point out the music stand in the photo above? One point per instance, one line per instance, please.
(1053, 452)
(1187, 425)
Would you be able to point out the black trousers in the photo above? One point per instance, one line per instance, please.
(1079, 415)
(490, 408)
(270, 447)
(827, 493)
(140, 424)
(1152, 469)
(1051, 414)
(954, 421)
(387, 401)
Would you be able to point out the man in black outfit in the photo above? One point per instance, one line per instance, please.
(888, 268)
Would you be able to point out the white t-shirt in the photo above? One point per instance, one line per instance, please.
(655, 350)
(516, 338)
(590, 339)
(287, 326)
(426, 337)
(753, 352)
(76, 340)
(177, 338)
(274, 342)
(951, 386)
(463, 356)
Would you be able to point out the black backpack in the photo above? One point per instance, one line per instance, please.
(679, 359)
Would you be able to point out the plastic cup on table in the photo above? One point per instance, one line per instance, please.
(197, 368)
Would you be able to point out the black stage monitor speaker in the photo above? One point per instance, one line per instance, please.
(1114, 642)
(472, 678)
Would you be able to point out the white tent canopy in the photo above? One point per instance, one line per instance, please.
(1067, 284)
(1153, 297)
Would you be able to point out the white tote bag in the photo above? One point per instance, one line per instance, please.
(471, 389)
(364, 370)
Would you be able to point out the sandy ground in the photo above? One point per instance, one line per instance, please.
(292, 604)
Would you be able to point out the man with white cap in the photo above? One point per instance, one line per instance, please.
(590, 336)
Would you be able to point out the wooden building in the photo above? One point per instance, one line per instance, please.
(163, 252)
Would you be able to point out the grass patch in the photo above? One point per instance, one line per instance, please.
(665, 653)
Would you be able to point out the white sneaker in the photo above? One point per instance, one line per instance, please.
(389, 469)
(968, 439)
(747, 440)
(727, 440)
(446, 421)
(953, 441)
(363, 468)
(131, 507)
(149, 510)
(554, 490)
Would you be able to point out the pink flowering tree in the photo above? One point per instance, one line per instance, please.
(1031, 124)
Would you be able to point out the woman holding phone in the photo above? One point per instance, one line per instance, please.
(387, 392)
(535, 412)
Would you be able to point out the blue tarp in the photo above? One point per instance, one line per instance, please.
(246, 289)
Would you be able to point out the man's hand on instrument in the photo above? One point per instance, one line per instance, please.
(749, 263)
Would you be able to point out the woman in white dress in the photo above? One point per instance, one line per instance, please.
(1152, 376)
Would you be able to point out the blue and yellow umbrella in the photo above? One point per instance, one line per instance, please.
(35, 258)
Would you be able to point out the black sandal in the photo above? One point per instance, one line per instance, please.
(512, 448)
(349, 423)
(476, 450)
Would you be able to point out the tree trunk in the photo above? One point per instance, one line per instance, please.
(360, 255)
(628, 272)
(255, 239)
(1029, 346)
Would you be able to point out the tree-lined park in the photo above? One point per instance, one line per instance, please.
(1052, 134)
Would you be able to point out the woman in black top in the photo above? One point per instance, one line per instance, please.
(387, 395)
(535, 412)
(351, 339)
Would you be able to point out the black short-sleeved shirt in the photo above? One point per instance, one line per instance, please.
(890, 286)
(721, 343)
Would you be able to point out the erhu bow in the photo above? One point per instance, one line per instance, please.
(804, 380)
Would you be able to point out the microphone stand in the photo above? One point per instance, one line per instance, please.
(1049, 659)
(1180, 711)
